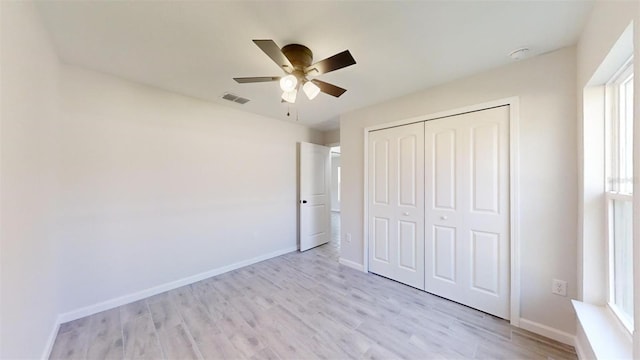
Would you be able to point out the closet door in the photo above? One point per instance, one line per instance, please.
(396, 203)
(467, 209)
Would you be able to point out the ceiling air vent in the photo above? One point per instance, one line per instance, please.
(235, 98)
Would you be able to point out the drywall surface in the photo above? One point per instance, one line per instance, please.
(607, 21)
(546, 88)
(332, 137)
(110, 188)
(28, 114)
(158, 187)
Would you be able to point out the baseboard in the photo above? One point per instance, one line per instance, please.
(126, 299)
(547, 331)
(51, 340)
(352, 264)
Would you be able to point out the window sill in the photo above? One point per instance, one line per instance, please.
(605, 335)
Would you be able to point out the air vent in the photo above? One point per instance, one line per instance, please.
(235, 98)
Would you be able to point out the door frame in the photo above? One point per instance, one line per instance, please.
(514, 187)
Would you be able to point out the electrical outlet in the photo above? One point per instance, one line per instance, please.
(348, 238)
(559, 287)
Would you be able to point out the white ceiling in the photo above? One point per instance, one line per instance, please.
(196, 48)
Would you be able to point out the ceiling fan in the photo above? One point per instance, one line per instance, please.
(296, 61)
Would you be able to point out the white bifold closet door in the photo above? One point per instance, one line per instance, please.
(467, 209)
(439, 207)
(396, 203)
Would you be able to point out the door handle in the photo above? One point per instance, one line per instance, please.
(303, 201)
(443, 217)
(405, 213)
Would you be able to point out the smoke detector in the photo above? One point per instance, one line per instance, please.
(519, 54)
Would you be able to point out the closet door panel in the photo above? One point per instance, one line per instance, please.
(396, 194)
(444, 169)
(467, 252)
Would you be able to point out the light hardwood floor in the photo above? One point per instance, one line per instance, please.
(298, 306)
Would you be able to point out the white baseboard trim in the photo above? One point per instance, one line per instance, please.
(352, 264)
(51, 340)
(515, 319)
(547, 331)
(126, 299)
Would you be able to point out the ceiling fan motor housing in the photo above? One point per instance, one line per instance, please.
(300, 57)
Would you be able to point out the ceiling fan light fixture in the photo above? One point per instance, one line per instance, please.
(290, 96)
(288, 83)
(312, 90)
(297, 62)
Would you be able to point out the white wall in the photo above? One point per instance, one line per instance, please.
(546, 87)
(109, 188)
(607, 21)
(29, 123)
(331, 137)
(158, 186)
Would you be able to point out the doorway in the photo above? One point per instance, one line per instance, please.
(335, 196)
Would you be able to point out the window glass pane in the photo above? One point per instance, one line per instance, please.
(619, 128)
(626, 136)
(611, 151)
(623, 257)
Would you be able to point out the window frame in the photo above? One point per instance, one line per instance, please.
(613, 181)
(620, 315)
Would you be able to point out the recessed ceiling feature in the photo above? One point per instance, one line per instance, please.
(197, 48)
(519, 54)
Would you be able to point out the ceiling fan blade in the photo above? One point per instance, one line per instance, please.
(329, 88)
(335, 62)
(244, 80)
(273, 51)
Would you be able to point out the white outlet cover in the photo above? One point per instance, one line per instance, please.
(559, 287)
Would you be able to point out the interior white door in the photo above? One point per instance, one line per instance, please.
(315, 178)
(467, 209)
(396, 203)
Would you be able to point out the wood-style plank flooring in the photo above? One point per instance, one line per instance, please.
(298, 306)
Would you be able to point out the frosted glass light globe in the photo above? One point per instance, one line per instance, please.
(312, 90)
(288, 83)
(290, 96)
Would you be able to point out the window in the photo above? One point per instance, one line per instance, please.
(619, 193)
